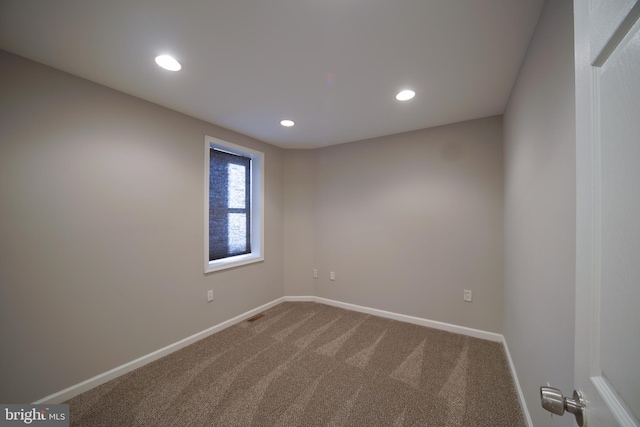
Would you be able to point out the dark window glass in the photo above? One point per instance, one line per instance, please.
(229, 205)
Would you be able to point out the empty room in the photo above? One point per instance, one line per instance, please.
(345, 213)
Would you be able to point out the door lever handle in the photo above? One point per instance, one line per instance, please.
(554, 402)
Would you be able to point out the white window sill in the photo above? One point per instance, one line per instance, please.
(231, 262)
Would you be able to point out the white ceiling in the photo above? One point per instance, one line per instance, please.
(332, 66)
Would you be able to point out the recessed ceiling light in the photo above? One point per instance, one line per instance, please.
(168, 63)
(405, 95)
(287, 123)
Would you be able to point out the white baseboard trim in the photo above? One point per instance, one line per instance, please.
(302, 298)
(86, 385)
(477, 333)
(523, 403)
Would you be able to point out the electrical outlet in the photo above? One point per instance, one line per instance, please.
(467, 295)
(332, 275)
(210, 296)
(315, 273)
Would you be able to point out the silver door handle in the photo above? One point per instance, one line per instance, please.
(554, 402)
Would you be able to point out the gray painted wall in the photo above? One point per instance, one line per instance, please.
(409, 221)
(540, 200)
(101, 225)
(299, 208)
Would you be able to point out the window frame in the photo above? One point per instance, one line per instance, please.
(257, 205)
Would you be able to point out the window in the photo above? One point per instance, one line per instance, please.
(234, 232)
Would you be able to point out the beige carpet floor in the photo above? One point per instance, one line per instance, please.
(309, 364)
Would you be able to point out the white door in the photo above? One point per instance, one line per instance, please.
(607, 350)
